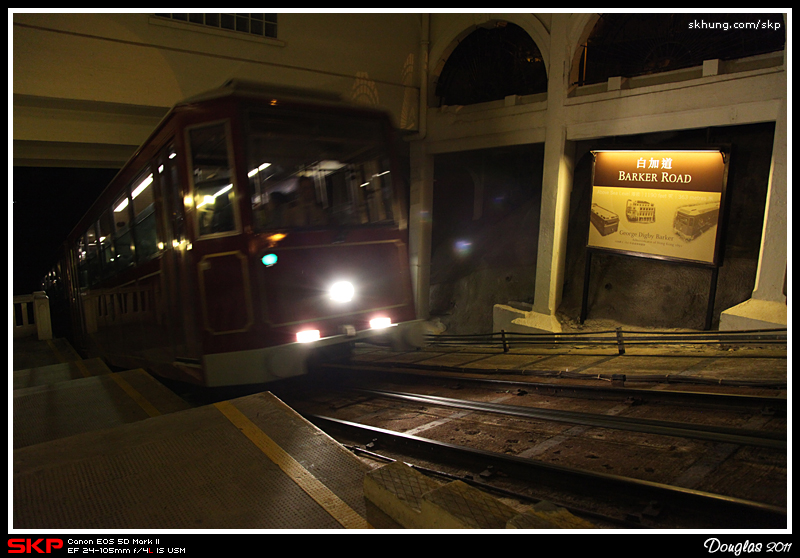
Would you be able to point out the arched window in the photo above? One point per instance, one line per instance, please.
(490, 64)
(637, 44)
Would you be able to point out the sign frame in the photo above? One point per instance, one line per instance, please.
(605, 223)
(679, 196)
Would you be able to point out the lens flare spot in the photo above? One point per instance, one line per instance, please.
(462, 248)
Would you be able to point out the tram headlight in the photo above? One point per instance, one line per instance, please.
(342, 291)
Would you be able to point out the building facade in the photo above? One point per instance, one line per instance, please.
(89, 88)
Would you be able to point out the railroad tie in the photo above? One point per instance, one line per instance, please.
(419, 502)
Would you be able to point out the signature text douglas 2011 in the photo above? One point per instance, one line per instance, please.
(714, 545)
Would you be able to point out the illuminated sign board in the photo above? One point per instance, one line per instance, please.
(659, 204)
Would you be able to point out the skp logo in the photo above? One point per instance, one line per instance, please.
(29, 546)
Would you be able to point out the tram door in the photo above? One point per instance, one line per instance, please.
(180, 313)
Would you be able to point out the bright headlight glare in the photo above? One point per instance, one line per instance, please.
(342, 291)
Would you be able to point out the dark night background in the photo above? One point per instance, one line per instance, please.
(47, 204)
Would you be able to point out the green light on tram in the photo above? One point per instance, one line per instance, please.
(269, 260)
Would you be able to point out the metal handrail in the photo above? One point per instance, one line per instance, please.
(618, 337)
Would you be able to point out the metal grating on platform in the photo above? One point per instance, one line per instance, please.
(249, 463)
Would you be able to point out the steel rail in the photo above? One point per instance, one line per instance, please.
(730, 511)
(706, 397)
(757, 438)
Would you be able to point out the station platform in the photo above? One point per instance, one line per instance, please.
(98, 450)
(120, 451)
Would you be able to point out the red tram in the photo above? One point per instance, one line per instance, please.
(253, 229)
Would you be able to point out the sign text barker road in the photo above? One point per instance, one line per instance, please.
(678, 170)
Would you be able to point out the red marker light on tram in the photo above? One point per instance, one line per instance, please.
(380, 323)
(307, 336)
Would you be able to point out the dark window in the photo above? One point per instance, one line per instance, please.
(122, 256)
(318, 170)
(144, 216)
(638, 44)
(88, 263)
(124, 235)
(263, 25)
(213, 180)
(105, 229)
(490, 64)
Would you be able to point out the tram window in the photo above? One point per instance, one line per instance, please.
(142, 193)
(344, 159)
(92, 264)
(173, 196)
(213, 180)
(122, 238)
(86, 257)
(102, 246)
(144, 216)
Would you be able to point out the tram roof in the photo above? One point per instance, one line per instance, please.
(698, 208)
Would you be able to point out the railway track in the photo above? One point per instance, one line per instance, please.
(635, 502)
(417, 419)
(758, 438)
(579, 384)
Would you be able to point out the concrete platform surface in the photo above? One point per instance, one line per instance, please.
(61, 372)
(51, 411)
(248, 463)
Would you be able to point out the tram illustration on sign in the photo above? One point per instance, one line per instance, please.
(605, 221)
(693, 220)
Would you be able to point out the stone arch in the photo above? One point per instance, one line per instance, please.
(464, 25)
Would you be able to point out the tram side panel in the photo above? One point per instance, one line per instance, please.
(219, 297)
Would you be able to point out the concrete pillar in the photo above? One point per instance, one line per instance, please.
(553, 227)
(767, 306)
(419, 226)
(556, 186)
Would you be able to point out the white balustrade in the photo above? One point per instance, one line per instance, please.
(30, 314)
